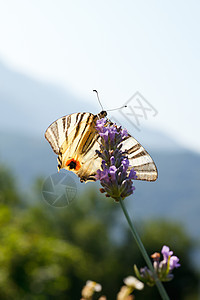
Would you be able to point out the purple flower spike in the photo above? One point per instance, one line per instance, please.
(163, 268)
(115, 177)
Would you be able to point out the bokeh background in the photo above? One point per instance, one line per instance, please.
(52, 55)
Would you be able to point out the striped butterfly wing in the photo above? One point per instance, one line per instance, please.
(74, 139)
(140, 159)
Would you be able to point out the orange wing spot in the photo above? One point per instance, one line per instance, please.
(78, 166)
(73, 164)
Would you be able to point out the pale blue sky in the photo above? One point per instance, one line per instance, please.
(117, 47)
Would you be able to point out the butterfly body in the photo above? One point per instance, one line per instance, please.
(75, 140)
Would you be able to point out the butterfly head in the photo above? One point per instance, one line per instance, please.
(102, 114)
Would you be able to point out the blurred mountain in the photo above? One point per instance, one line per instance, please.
(29, 105)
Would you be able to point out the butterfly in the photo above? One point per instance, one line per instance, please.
(75, 140)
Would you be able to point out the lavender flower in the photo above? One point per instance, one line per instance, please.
(169, 259)
(163, 268)
(114, 176)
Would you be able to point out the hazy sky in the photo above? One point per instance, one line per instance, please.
(117, 47)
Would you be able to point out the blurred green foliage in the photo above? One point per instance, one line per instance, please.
(49, 253)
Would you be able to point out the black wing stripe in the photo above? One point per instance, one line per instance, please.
(78, 125)
(85, 150)
(59, 162)
(68, 121)
(126, 137)
(134, 148)
(54, 131)
(142, 153)
(91, 144)
(91, 178)
(87, 143)
(68, 125)
(148, 167)
(64, 123)
(77, 117)
(82, 133)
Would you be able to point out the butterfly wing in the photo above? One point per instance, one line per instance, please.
(74, 139)
(140, 159)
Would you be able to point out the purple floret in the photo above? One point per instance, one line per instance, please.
(168, 257)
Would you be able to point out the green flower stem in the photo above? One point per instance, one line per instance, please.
(159, 284)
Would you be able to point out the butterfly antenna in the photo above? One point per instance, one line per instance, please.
(98, 98)
(117, 108)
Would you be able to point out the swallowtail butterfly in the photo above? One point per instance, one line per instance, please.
(75, 140)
